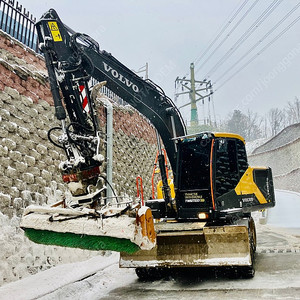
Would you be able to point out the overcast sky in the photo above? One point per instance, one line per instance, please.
(170, 34)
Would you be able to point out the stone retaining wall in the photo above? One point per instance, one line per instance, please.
(288, 181)
(29, 162)
(134, 151)
(28, 167)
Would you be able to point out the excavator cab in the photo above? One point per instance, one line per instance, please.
(214, 180)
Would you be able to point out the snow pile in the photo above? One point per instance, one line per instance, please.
(37, 217)
(49, 281)
(20, 258)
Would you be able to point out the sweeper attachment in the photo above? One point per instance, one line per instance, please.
(125, 228)
(202, 217)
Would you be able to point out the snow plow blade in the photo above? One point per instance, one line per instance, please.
(193, 245)
(86, 230)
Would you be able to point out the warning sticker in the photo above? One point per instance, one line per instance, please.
(55, 32)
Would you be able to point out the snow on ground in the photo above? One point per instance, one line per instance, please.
(97, 286)
(51, 280)
(97, 277)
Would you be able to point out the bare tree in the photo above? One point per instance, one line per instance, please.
(276, 118)
(254, 126)
(293, 111)
(265, 126)
(247, 125)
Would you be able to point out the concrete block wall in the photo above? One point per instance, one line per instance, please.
(28, 168)
(282, 160)
(23, 70)
(282, 154)
(134, 150)
(288, 181)
(28, 164)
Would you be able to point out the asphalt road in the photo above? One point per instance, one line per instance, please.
(277, 266)
(277, 276)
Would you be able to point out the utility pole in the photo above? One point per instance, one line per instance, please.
(142, 69)
(194, 112)
(188, 86)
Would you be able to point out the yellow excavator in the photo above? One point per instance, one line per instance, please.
(203, 219)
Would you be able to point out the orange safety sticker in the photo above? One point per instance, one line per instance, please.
(55, 31)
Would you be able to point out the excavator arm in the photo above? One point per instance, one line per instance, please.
(72, 60)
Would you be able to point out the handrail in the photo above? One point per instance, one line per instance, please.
(19, 23)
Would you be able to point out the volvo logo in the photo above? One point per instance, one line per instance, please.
(120, 77)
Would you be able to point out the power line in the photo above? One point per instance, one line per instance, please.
(261, 51)
(227, 36)
(266, 13)
(259, 42)
(221, 32)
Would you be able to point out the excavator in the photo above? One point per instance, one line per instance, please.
(203, 220)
